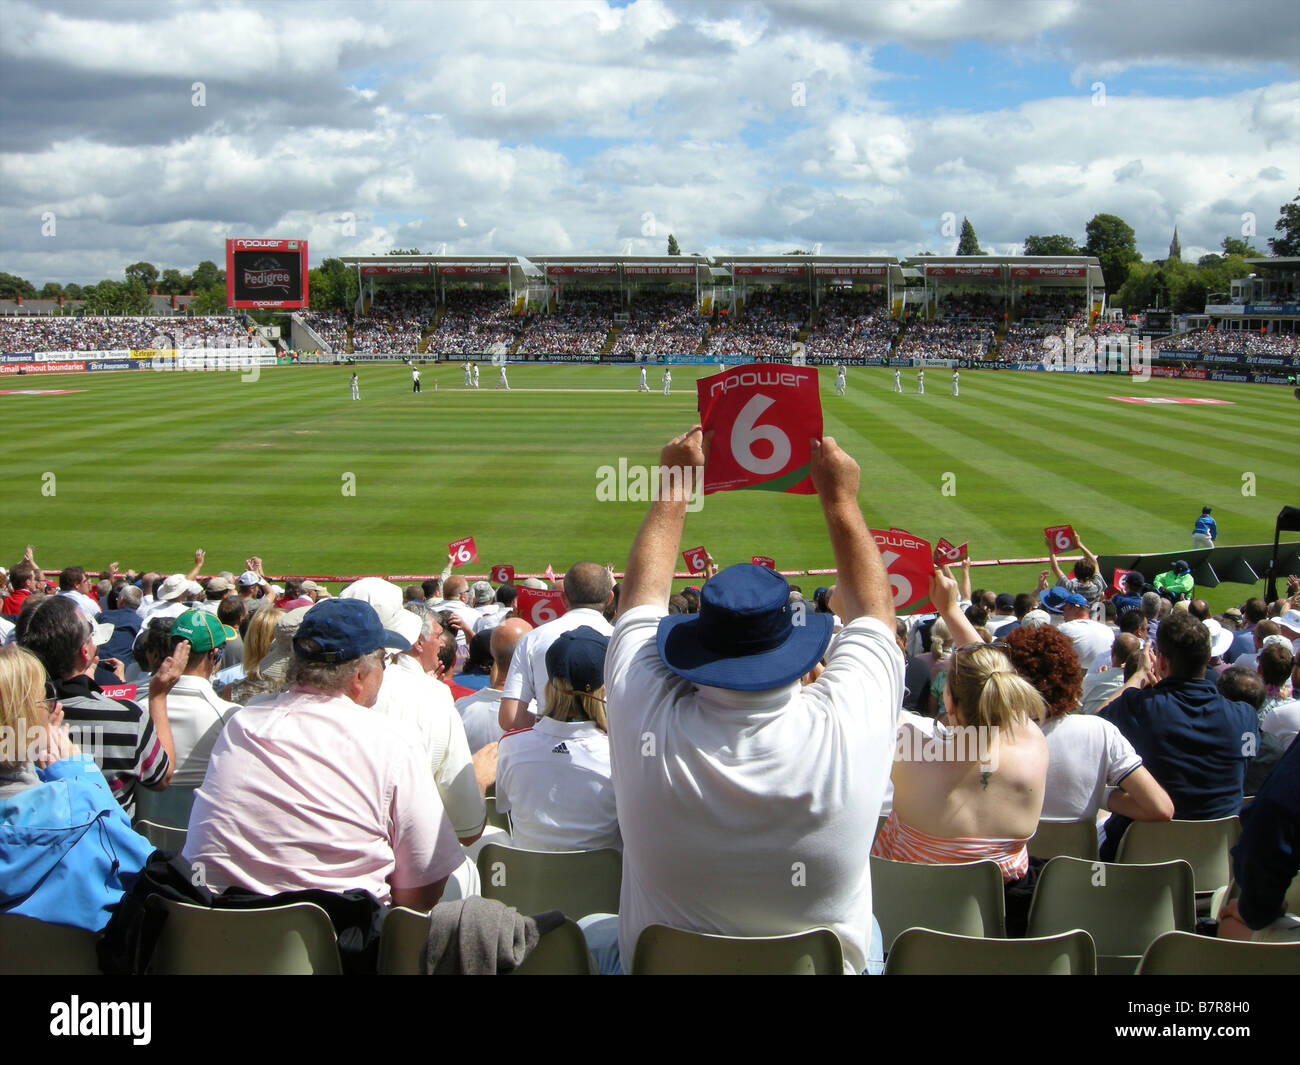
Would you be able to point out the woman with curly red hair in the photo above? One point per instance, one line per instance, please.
(1087, 754)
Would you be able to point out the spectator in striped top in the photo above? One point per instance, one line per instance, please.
(130, 746)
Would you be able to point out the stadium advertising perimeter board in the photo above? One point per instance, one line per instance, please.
(266, 273)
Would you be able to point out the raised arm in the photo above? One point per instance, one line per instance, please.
(943, 595)
(862, 584)
(1056, 566)
(1096, 567)
(649, 577)
(199, 556)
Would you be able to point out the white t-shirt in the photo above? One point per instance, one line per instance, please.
(526, 680)
(1086, 755)
(1283, 721)
(751, 813)
(480, 714)
(197, 715)
(409, 695)
(462, 610)
(1090, 639)
(554, 781)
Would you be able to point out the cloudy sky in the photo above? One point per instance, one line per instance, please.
(156, 130)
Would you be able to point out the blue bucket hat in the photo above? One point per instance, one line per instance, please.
(1054, 599)
(745, 637)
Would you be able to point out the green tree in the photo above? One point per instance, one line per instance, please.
(968, 244)
(206, 275)
(333, 286)
(210, 300)
(1138, 292)
(1114, 243)
(1211, 260)
(404, 251)
(104, 298)
(73, 292)
(135, 297)
(12, 286)
(673, 248)
(1288, 224)
(174, 283)
(145, 273)
(1239, 246)
(1056, 244)
(51, 290)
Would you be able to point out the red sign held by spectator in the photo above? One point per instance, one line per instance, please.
(909, 563)
(1117, 581)
(503, 574)
(462, 551)
(537, 606)
(1060, 538)
(945, 554)
(763, 418)
(119, 691)
(763, 560)
(696, 559)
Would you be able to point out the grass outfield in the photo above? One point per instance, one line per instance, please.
(148, 466)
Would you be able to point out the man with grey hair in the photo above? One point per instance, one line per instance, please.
(588, 589)
(1153, 611)
(281, 810)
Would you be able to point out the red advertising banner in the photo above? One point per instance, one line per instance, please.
(1049, 271)
(119, 691)
(502, 574)
(659, 271)
(1117, 581)
(537, 606)
(462, 551)
(1060, 538)
(775, 455)
(42, 367)
(491, 269)
(398, 270)
(849, 271)
(773, 270)
(909, 563)
(696, 558)
(764, 561)
(963, 271)
(945, 554)
(600, 269)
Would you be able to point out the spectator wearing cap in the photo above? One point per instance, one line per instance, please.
(1176, 583)
(131, 747)
(588, 589)
(1194, 741)
(215, 590)
(282, 808)
(313, 591)
(1085, 580)
(1023, 603)
(751, 770)
(480, 711)
(497, 611)
(1090, 638)
(1131, 597)
(554, 778)
(172, 598)
(194, 710)
(1205, 531)
(1004, 611)
(252, 587)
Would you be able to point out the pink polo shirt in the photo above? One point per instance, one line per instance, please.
(314, 791)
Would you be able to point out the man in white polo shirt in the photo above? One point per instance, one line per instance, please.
(1090, 638)
(588, 589)
(315, 790)
(747, 801)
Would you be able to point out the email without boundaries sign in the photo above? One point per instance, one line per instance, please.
(763, 418)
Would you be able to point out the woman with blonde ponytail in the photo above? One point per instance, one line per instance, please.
(974, 789)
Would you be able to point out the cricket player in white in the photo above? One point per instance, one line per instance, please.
(415, 379)
(476, 375)
(469, 374)
(356, 387)
(920, 382)
(501, 381)
(668, 382)
(898, 380)
(955, 376)
(841, 379)
(643, 386)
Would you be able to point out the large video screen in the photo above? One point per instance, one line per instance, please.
(266, 273)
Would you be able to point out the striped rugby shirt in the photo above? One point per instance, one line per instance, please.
(117, 733)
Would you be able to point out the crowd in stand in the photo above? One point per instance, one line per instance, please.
(331, 328)
(852, 325)
(220, 706)
(395, 324)
(66, 333)
(661, 323)
(947, 339)
(1029, 343)
(1049, 306)
(766, 327)
(473, 323)
(969, 305)
(580, 325)
(1233, 341)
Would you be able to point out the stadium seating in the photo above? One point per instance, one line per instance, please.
(561, 952)
(576, 883)
(292, 940)
(29, 947)
(1183, 954)
(1204, 845)
(922, 952)
(965, 899)
(1075, 839)
(163, 837)
(664, 951)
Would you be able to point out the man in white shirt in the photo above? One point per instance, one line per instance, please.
(1090, 638)
(1283, 719)
(588, 589)
(747, 801)
(314, 790)
(643, 386)
(668, 382)
(415, 379)
(171, 598)
(480, 712)
(74, 583)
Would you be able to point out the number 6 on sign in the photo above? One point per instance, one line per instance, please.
(462, 552)
(537, 606)
(744, 434)
(1060, 538)
(908, 564)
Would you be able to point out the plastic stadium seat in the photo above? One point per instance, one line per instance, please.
(1181, 954)
(1204, 845)
(921, 952)
(29, 947)
(1074, 839)
(163, 837)
(496, 820)
(561, 952)
(171, 806)
(292, 940)
(664, 951)
(576, 883)
(1123, 907)
(965, 899)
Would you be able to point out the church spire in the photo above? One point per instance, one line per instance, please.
(1175, 249)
